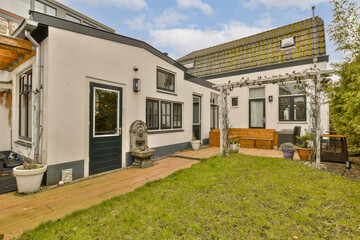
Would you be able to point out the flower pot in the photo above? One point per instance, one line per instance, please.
(195, 144)
(304, 153)
(234, 148)
(288, 154)
(28, 181)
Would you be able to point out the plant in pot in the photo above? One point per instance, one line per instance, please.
(234, 146)
(29, 175)
(288, 150)
(195, 144)
(304, 150)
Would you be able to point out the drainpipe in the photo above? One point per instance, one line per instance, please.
(36, 95)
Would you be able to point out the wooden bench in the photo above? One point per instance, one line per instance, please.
(248, 138)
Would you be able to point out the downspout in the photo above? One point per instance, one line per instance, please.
(36, 94)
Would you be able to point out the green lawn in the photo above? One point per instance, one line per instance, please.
(236, 197)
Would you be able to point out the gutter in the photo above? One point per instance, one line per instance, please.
(24, 31)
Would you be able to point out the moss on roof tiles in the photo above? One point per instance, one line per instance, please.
(260, 49)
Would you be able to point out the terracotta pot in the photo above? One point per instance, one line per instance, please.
(288, 154)
(304, 153)
(28, 181)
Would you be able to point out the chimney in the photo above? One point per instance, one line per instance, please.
(313, 12)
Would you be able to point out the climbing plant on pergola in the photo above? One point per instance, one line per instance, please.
(313, 80)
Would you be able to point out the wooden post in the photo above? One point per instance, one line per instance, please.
(221, 119)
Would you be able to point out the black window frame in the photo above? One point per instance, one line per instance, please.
(291, 118)
(176, 116)
(148, 115)
(166, 114)
(237, 101)
(28, 76)
(157, 80)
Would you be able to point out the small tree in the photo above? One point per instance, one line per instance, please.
(344, 95)
(225, 119)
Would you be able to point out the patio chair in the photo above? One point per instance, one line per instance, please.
(289, 136)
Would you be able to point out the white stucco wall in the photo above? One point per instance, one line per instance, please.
(74, 61)
(239, 116)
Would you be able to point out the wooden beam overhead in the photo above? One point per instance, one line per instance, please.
(10, 54)
(15, 42)
(16, 50)
(4, 59)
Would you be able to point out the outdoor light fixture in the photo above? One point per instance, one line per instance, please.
(270, 98)
(136, 85)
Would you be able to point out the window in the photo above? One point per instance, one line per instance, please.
(214, 116)
(288, 42)
(165, 81)
(234, 101)
(165, 115)
(152, 114)
(257, 93)
(39, 7)
(292, 103)
(25, 106)
(177, 115)
(51, 11)
(71, 18)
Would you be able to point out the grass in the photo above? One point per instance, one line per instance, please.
(236, 197)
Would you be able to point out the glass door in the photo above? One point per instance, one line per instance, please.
(257, 108)
(105, 128)
(197, 117)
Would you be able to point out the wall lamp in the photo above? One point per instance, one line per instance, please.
(136, 85)
(270, 98)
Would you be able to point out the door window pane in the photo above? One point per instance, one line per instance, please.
(257, 93)
(257, 114)
(290, 89)
(284, 108)
(106, 112)
(299, 109)
(196, 110)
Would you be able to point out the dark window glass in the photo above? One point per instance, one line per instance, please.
(234, 102)
(214, 117)
(152, 114)
(25, 106)
(165, 115)
(177, 115)
(165, 81)
(292, 108)
(106, 114)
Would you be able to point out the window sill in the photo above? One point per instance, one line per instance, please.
(23, 143)
(292, 122)
(165, 131)
(162, 91)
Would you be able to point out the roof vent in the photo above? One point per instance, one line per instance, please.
(165, 53)
(313, 12)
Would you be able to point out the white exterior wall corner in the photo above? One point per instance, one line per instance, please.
(74, 61)
(239, 116)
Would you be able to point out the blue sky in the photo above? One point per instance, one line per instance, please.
(179, 27)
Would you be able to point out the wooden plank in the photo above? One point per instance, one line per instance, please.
(15, 42)
(9, 54)
(28, 56)
(4, 59)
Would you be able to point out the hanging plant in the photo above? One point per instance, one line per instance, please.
(6, 101)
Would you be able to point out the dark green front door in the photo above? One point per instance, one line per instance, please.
(197, 117)
(105, 128)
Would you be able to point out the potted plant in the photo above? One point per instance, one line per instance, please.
(29, 175)
(288, 150)
(234, 146)
(195, 144)
(304, 149)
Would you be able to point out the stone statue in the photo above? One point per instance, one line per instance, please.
(139, 145)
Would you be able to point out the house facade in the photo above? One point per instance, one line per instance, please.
(280, 51)
(94, 85)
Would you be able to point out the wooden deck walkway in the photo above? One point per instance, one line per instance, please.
(199, 154)
(20, 213)
(265, 153)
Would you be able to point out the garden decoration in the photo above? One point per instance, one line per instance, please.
(288, 150)
(234, 146)
(139, 145)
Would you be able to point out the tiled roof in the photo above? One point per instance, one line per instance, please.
(260, 50)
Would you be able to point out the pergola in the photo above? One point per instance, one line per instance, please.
(13, 52)
(312, 73)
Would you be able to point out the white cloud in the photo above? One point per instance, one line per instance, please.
(185, 40)
(303, 4)
(265, 21)
(204, 7)
(131, 4)
(169, 17)
(137, 23)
